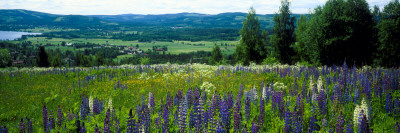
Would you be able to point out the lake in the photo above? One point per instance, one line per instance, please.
(12, 35)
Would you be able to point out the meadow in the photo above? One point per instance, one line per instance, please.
(200, 98)
(174, 47)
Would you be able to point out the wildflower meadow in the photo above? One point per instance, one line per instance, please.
(200, 98)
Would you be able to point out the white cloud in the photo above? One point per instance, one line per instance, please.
(110, 7)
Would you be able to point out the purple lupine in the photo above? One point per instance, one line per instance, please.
(83, 111)
(338, 93)
(189, 97)
(151, 102)
(145, 117)
(240, 93)
(107, 122)
(340, 124)
(169, 101)
(200, 112)
(236, 118)
(254, 128)
(3, 129)
(247, 106)
(29, 128)
(51, 120)
(176, 101)
(322, 103)
(22, 126)
(176, 117)
(192, 118)
(196, 93)
(212, 120)
(225, 115)
(182, 115)
(288, 121)
(313, 124)
(389, 103)
(95, 107)
(83, 128)
(262, 112)
(117, 127)
(304, 91)
(206, 118)
(363, 126)
(396, 127)
(130, 128)
(157, 121)
(396, 106)
(166, 120)
(60, 116)
(229, 101)
(96, 129)
(297, 121)
(215, 101)
(220, 128)
(349, 128)
(45, 118)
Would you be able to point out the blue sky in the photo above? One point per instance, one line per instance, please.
(112, 7)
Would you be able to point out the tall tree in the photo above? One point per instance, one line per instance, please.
(389, 35)
(341, 30)
(301, 38)
(5, 58)
(253, 40)
(43, 59)
(56, 60)
(216, 55)
(100, 58)
(284, 36)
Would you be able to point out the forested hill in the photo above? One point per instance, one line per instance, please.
(21, 19)
(227, 20)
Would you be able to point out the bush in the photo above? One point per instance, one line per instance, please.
(270, 61)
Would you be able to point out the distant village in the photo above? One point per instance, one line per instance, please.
(18, 60)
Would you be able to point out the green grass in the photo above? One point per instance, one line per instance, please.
(175, 47)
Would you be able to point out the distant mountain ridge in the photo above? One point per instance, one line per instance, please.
(18, 18)
(229, 19)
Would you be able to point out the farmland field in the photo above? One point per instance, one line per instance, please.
(197, 98)
(174, 47)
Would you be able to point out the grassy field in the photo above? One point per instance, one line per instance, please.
(175, 98)
(175, 47)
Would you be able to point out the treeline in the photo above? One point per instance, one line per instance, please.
(340, 31)
(188, 34)
(349, 31)
(25, 54)
(154, 58)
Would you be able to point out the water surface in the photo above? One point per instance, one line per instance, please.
(12, 35)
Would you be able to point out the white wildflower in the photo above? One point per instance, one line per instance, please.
(143, 75)
(319, 84)
(254, 92)
(207, 87)
(279, 86)
(264, 92)
(149, 104)
(310, 88)
(91, 104)
(110, 103)
(358, 110)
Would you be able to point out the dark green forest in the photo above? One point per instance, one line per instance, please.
(340, 31)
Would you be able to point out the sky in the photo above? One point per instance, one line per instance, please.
(114, 7)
